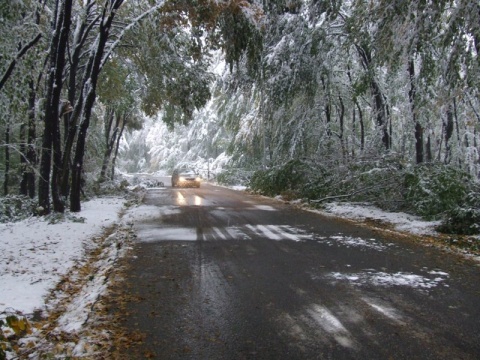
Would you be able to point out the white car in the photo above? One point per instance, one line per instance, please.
(185, 178)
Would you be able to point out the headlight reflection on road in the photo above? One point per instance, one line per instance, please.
(198, 200)
(180, 199)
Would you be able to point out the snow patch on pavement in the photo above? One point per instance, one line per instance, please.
(150, 212)
(154, 233)
(264, 208)
(380, 278)
(355, 242)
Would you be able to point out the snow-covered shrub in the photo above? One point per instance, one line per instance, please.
(433, 189)
(318, 183)
(16, 208)
(115, 187)
(378, 182)
(366, 180)
(234, 177)
(288, 177)
(464, 218)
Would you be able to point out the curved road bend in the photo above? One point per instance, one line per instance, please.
(218, 274)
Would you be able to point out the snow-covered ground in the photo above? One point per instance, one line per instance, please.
(37, 255)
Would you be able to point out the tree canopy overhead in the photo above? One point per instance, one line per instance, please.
(326, 82)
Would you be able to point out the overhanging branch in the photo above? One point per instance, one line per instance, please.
(22, 52)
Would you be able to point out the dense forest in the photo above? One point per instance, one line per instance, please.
(367, 101)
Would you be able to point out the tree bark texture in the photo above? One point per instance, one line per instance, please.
(89, 87)
(380, 105)
(6, 178)
(419, 153)
(448, 130)
(58, 50)
(117, 146)
(110, 140)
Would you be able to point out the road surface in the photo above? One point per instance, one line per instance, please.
(219, 274)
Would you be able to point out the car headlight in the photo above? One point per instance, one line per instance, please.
(198, 179)
(181, 178)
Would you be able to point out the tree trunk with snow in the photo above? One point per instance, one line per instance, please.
(117, 146)
(29, 155)
(418, 127)
(89, 88)
(50, 141)
(110, 139)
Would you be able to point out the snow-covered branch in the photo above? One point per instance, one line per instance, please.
(127, 28)
(22, 52)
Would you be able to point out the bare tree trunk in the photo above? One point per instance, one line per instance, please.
(448, 129)
(117, 146)
(109, 140)
(381, 107)
(328, 111)
(23, 158)
(58, 50)
(354, 129)
(341, 120)
(360, 115)
(362, 127)
(418, 127)
(90, 81)
(429, 149)
(71, 126)
(28, 156)
(6, 178)
(28, 176)
(381, 111)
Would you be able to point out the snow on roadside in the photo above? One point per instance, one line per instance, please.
(402, 221)
(38, 254)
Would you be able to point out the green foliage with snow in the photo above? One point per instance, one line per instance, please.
(369, 181)
(433, 189)
(464, 218)
(16, 208)
(286, 178)
(234, 176)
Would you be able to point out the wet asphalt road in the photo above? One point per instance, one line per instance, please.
(218, 274)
